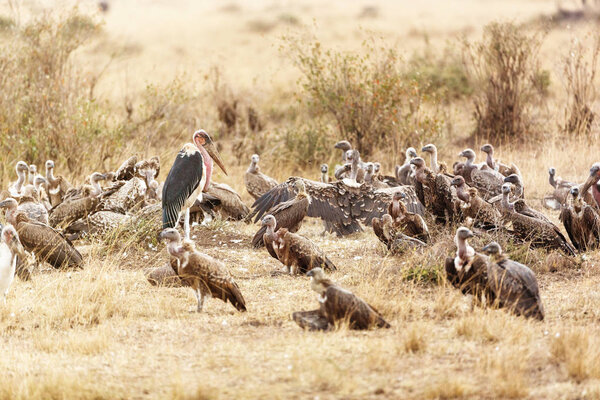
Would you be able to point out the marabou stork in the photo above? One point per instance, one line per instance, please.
(189, 176)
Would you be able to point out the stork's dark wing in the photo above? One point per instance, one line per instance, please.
(183, 179)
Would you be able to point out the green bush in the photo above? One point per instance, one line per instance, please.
(371, 102)
(507, 80)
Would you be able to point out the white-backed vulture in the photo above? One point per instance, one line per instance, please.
(409, 223)
(15, 189)
(435, 191)
(297, 253)
(404, 171)
(496, 165)
(336, 306)
(514, 285)
(256, 182)
(581, 222)
(30, 204)
(230, 205)
(127, 169)
(484, 215)
(56, 187)
(206, 275)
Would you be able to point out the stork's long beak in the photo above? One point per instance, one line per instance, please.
(212, 151)
(592, 179)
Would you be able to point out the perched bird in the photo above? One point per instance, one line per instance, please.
(206, 275)
(482, 177)
(397, 242)
(467, 271)
(10, 248)
(32, 174)
(432, 150)
(581, 222)
(343, 145)
(189, 176)
(93, 189)
(513, 284)
(535, 231)
(45, 242)
(56, 187)
(230, 204)
(409, 223)
(357, 167)
(256, 182)
(15, 189)
(296, 252)
(289, 214)
(496, 165)
(338, 305)
(519, 205)
(560, 193)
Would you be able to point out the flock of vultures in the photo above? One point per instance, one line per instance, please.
(46, 214)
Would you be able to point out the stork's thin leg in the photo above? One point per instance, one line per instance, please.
(200, 298)
(186, 224)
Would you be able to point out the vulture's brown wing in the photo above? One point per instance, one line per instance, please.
(214, 276)
(516, 287)
(307, 254)
(127, 170)
(378, 230)
(342, 305)
(592, 220)
(48, 245)
(288, 214)
(67, 212)
(269, 245)
(231, 203)
(566, 217)
(313, 320)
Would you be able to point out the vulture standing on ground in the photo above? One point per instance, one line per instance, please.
(206, 275)
(45, 242)
(337, 305)
(409, 223)
(230, 204)
(435, 191)
(396, 241)
(189, 176)
(93, 189)
(256, 182)
(538, 232)
(561, 190)
(32, 174)
(467, 271)
(15, 189)
(496, 165)
(296, 252)
(513, 284)
(56, 187)
(432, 150)
(10, 248)
(581, 222)
(519, 205)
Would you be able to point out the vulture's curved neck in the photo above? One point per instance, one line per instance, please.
(470, 160)
(490, 160)
(434, 162)
(462, 193)
(96, 187)
(506, 205)
(50, 174)
(20, 181)
(253, 168)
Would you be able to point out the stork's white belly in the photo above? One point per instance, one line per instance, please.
(197, 194)
(8, 264)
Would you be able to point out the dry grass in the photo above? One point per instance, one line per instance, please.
(104, 332)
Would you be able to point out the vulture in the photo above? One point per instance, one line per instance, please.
(206, 275)
(467, 271)
(16, 188)
(432, 150)
(189, 176)
(10, 247)
(324, 173)
(435, 191)
(504, 169)
(256, 182)
(536, 231)
(56, 187)
(123, 196)
(593, 181)
(517, 183)
(357, 167)
(581, 222)
(289, 214)
(404, 171)
(484, 215)
(337, 305)
(230, 204)
(32, 174)
(514, 285)
(343, 203)
(148, 170)
(409, 223)
(40, 183)
(519, 205)
(94, 183)
(98, 223)
(343, 145)
(486, 180)
(45, 242)
(69, 211)
(127, 170)
(372, 180)
(297, 253)
(30, 204)
(560, 193)
(396, 241)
